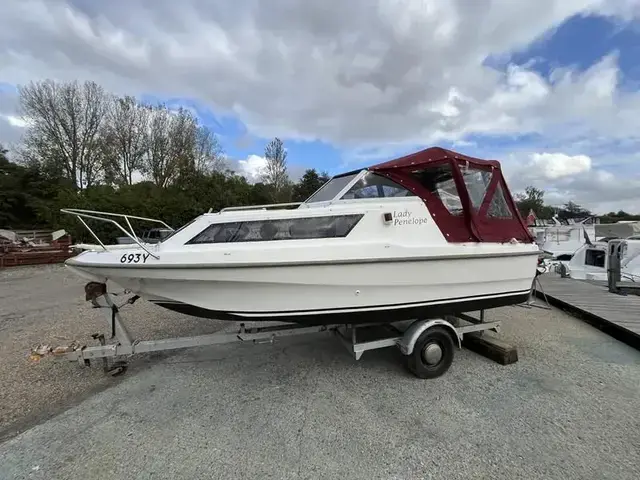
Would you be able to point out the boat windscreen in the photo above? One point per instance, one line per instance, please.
(330, 189)
(372, 185)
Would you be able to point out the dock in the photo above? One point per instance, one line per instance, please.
(616, 315)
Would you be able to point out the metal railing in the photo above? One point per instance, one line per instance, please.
(81, 214)
(255, 207)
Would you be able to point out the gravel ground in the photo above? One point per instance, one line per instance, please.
(304, 409)
(45, 304)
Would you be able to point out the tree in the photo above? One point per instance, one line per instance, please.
(11, 196)
(275, 171)
(308, 184)
(613, 217)
(26, 194)
(533, 199)
(157, 162)
(125, 135)
(64, 125)
(573, 210)
(183, 128)
(170, 145)
(179, 149)
(260, 194)
(208, 155)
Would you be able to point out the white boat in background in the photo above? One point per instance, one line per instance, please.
(583, 240)
(591, 261)
(562, 240)
(623, 229)
(426, 235)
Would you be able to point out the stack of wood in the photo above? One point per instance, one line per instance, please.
(35, 248)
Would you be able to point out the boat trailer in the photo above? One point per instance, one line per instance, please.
(428, 345)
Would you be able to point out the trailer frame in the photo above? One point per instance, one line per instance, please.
(428, 344)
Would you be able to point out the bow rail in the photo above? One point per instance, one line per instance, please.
(81, 214)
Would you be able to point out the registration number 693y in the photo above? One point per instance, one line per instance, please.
(134, 258)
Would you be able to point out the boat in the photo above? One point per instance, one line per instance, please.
(429, 234)
(562, 239)
(623, 229)
(591, 261)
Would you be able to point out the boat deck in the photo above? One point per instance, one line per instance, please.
(617, 315)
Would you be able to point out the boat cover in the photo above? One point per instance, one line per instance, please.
(618, 230)
(488, 212)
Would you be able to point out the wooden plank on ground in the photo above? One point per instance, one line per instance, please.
(491, 347)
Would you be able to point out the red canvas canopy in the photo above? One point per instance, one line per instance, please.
(467, 197)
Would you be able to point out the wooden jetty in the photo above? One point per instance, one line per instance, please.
(618, 315)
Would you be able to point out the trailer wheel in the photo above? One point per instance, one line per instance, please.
(433, 353)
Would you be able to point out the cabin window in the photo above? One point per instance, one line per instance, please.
(594, 258)
(376, 186)
(335, 226)
(330, 189)
(439, 181)
(499, 208)
(477, 182)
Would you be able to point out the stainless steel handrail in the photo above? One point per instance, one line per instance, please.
(268, 205)
(80, 214)
(109, 214)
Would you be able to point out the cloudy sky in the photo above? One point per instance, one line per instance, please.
(551, 88)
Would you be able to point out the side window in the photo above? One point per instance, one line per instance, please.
(477, 181)
(499, 208)
(594, 258)
(376, 186)
(336, 226)
(439, 181)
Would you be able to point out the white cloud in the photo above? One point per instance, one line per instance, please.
(16, 121)
(11, 125)
(252, 168)
(362, 75)
(574, 178)
(557, 165)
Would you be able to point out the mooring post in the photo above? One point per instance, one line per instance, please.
(613, 268)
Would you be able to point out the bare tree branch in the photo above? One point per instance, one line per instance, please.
(209, 155)
(125, 133)
(64, 128)
(171, 140)
(183, 142)
(157, 162)
(275, 171)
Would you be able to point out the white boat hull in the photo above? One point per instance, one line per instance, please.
(311, 293)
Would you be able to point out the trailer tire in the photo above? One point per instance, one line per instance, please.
(433, 353)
